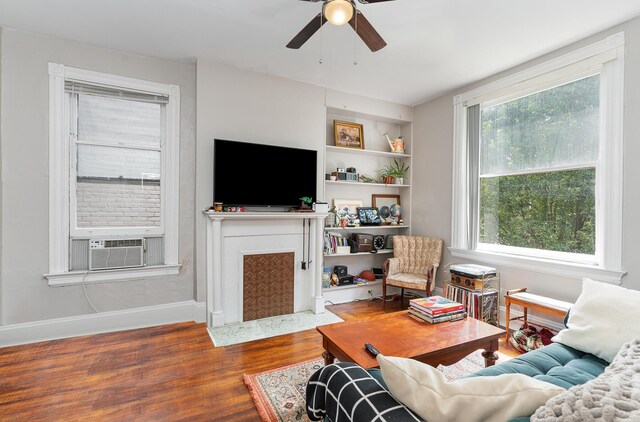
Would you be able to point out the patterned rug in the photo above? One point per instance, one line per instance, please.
(279, 394)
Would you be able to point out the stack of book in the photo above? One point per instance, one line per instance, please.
(435, 309)
(332, 241)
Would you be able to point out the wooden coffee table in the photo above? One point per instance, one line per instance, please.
(397, 334)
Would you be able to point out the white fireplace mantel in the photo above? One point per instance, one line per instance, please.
(215, 220)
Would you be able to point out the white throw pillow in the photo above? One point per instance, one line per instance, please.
(424, 389)
(602, 320)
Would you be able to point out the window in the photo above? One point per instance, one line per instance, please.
(538, 165)
(113, 169)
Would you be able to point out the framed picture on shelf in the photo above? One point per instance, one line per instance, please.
(346, 207)
(379, 200)
(348, 135)
(388, 207)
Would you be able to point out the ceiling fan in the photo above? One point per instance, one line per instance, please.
(339, 12)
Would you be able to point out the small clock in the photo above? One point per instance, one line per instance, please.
(378, 242)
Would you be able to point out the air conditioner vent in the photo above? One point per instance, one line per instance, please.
(115, 253)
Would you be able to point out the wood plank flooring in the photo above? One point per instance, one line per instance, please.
(170, 372)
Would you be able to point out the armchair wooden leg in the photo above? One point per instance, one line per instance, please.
(402, 298)
(384, 294)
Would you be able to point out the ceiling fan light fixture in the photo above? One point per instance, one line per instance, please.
(338, 12)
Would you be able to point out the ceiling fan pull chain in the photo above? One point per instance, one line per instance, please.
(321, 40)
(355, 42)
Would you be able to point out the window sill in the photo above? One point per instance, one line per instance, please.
(540, 265)
(72, 278)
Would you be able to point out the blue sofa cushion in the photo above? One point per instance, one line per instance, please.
(556, 363)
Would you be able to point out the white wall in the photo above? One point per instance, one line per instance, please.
(246, 106)
(432, 195)
(24, 132)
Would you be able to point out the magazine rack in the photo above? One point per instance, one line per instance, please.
(482, 303)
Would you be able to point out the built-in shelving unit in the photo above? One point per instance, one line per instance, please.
(377, 119)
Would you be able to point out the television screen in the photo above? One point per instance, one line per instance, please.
(246, 174)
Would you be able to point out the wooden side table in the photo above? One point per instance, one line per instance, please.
(528, 300)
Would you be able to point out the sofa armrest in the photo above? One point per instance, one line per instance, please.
(391, 266)
(345, 391)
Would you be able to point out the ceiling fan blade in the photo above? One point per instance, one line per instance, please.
(307, 32)
(367, 32)
(367, 1)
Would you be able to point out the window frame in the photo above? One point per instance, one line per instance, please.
(60, 161)
(606, 58)
(125, 231)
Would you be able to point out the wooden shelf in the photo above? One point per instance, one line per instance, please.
(380, 252)
(387, 227)
(351, 286)
(362, 184)
(357, 151)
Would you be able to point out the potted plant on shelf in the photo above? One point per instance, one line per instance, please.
(386, 174)
(398, 171)
(305, 203)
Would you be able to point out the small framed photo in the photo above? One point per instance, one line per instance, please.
(348, 135)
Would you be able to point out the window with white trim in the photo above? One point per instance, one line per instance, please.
(113, 168)
(539, 162)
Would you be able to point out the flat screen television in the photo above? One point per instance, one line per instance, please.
(258, 175)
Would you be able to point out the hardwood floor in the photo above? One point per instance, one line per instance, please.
(170, 372)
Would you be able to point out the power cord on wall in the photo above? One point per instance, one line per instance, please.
(86, 296)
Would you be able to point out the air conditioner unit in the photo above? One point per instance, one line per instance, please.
(115, 253)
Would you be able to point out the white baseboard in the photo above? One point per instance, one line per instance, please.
(103, 322)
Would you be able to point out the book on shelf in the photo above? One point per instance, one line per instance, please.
(450, 316)
(435, 305)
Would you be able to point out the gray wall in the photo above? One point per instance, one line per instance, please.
(432, 210)
(246, 106)
(24, 133)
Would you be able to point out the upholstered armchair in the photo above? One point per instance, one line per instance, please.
(413, 266)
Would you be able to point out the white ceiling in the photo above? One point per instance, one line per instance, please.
(434, 46)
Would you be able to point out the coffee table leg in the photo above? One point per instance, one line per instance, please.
(328, 358)
(489, 354)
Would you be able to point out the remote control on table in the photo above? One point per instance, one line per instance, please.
(371, 349)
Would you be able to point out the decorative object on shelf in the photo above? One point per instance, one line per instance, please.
(347, 210)
(385, 214)
(320, 207)
(386, 174)
(333, 177)
(361, 242)
(397, 145)
(305, 202)
(378, 242)
(396, 212)
(369, 216)
(367, 275)
(345, 176)
(366, 179)
(343, 277)
(326, 278)
(398, 170)
(217, 206)
(348, 135)
(232, 209)
(331, 219)
(388, 242)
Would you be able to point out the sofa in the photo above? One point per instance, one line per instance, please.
(344, 391)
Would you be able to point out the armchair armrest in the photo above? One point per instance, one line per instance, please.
(391, 266)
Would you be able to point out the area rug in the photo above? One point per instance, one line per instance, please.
(279, 394)
(258, 329)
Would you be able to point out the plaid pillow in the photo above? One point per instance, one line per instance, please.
(345, 391)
